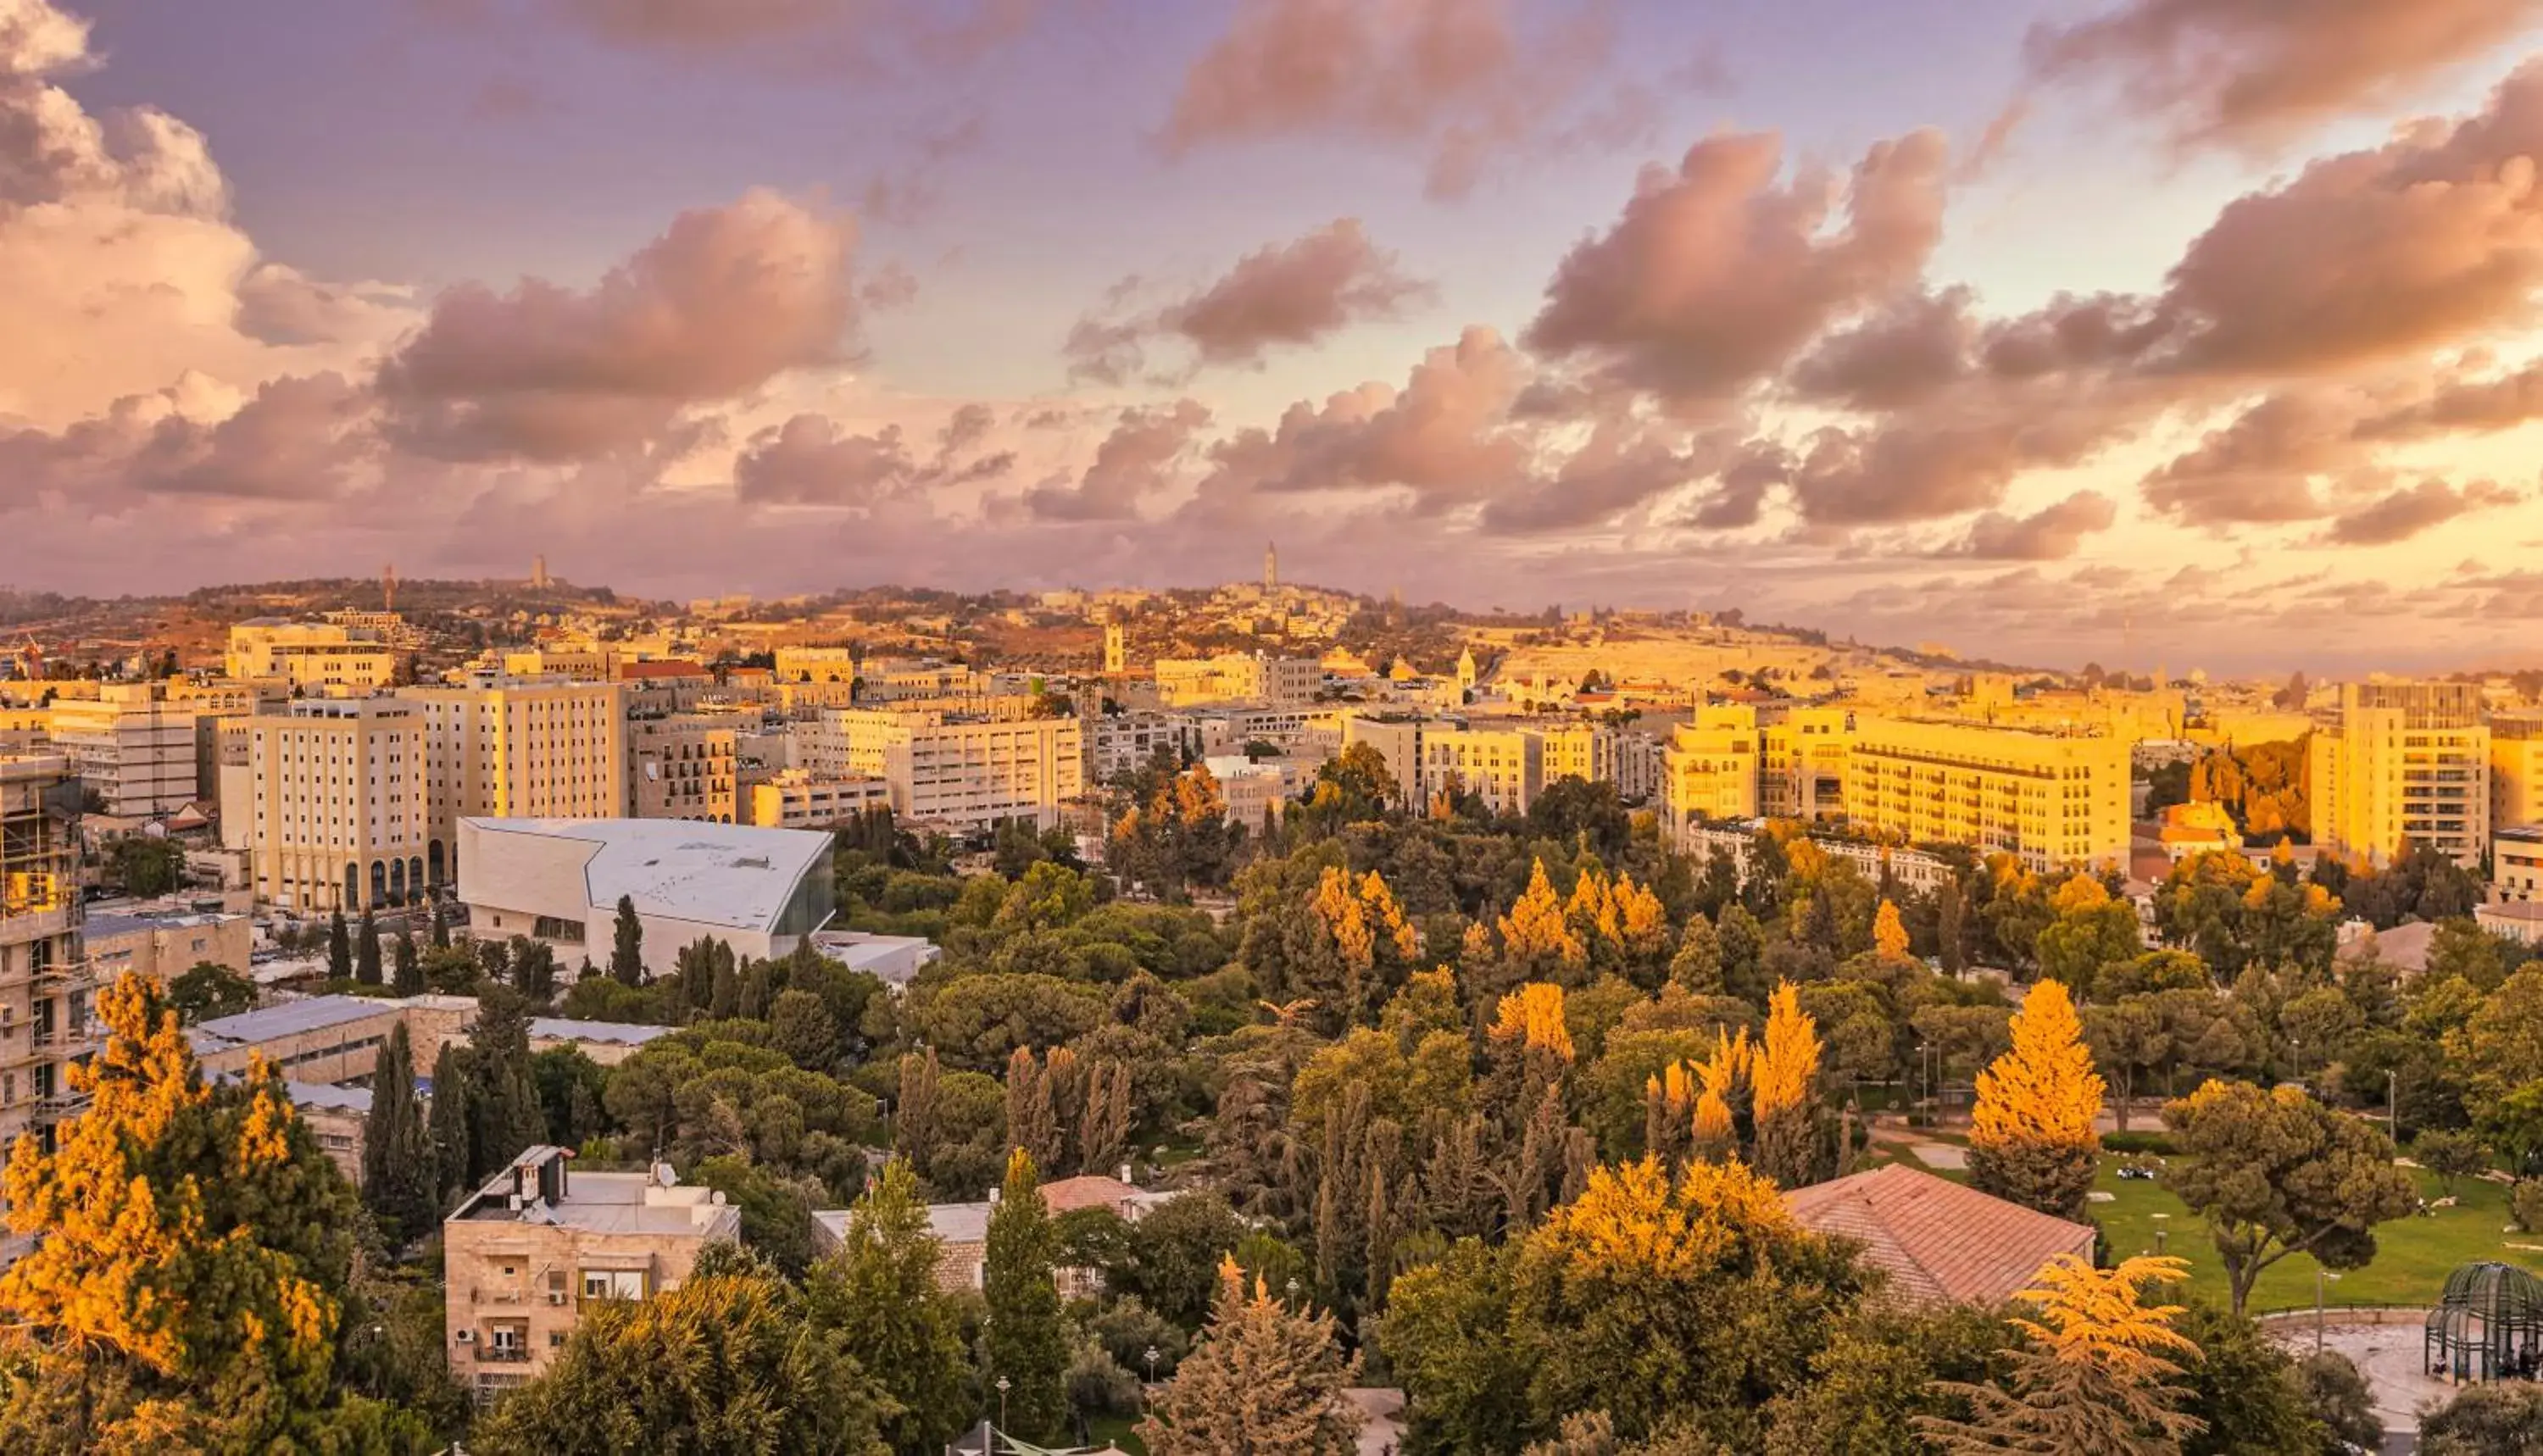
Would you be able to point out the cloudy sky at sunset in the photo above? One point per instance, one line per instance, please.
(2058, 328)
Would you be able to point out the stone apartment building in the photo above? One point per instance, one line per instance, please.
(45, 981)
(528, 1252)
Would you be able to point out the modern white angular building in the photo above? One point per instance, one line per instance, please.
(761, 891)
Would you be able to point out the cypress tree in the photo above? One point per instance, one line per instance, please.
(1026, 1339)
(441, 926)
(339, 948)
(409, 966)
(450, 1129)
(397, 1150)
(366, 951)
(627, 945)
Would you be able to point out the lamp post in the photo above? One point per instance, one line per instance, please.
(1294, 1290)
(1004, 1385)
(2393, 1103)
(2162, 1226)
(1151, 1357)
(2319, 1275)
(1922, 1089)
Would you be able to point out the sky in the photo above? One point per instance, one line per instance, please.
(2187, 332)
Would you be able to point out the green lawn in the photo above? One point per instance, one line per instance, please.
(1117, 1430)
(2413, 1256)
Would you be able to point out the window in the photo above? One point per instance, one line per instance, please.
(613, 1283)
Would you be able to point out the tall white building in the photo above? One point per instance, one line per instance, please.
(2407, 761)
(1505, 766)
(961, 771)
(329, 801)
(519, 748)
(130, 745)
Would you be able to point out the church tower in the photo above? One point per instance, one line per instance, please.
(1270, 567)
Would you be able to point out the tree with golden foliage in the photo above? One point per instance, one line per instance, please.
(1890, 935)
(1538, 942)
(1180, 839)
(1716, 1132)
(192, 1246)
(1531, 1017)
(2093, 1376)
(1370, 937)
(1783, 1092)
(2032, 1138)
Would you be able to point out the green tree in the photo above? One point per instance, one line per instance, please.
(880, 1292)
(366, 951)
(1175, 1254)
(339, 948)
(2275, 1173)
(210, 990)
(723, 1363)
(627, 945)
(450, 1126)
(146, 868)
(2500, 1049)
(441, 926)
(191, 1249)
(2452, 1156)
(1263, 1378)
(407, 967)
(2246, 1391)
(1026, 1343)
(1883, 1365)
(2505, 1419)
(397, 1150)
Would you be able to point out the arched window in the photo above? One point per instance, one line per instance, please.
(353, 886)
(432, 863)
(379, 883)
(415, 880)
(397, 882)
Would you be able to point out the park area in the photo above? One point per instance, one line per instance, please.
(2413, 1256)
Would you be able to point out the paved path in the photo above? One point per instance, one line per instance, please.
(1383, 1430)
(2389, 1357)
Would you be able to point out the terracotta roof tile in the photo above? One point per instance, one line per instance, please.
(1940, 1243)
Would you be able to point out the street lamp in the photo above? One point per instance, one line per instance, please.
(1003, 1387)
(1922, 1089)
(2393, 1103)
(2162, 1226)
(1151, 1357)
(2319, 1274)
(1293, 1289)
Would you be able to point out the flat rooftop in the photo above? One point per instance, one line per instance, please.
(292, 1017)
(567, 1029)
(733, 876)
(607, 1204)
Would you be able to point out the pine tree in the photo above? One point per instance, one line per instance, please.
(366, 951)
(505, 1115)
(2032, 1138)
(1027, 1338)
(1033, 1124)
(1697, 966)
(627, 945)
(880, 1291)
(1536, 936)
(1783, 1076)
(407, 968)
(339, 948)
(397, 1150)
(2095, 1376)
(1263, 1378)
(190, 1250)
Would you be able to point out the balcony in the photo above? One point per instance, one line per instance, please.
(503, 1354)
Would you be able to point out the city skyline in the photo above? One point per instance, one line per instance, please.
(2033, 328)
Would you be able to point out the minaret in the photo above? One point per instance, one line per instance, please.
(388, 588)
(1270, 567)
(539, 572)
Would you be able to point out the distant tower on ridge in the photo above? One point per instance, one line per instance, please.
(1270, 567)
(539, 572)
(388, 588)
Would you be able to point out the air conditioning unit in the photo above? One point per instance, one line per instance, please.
(466, 1336)
(554, 1297)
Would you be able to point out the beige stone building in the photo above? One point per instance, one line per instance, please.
(2515, 770)
(682, 767)
(311, 655)
(792, 798)
(2048, 799)
(133, 746)
(329, 802)
(1505, 766)
(1238, 677)
(961, 771)
(163, 948)
(1709, 770)
(1801, 764)
(2407, 761)
(817, 664)
(518, 747)
(1399, 742)
(527, 1255)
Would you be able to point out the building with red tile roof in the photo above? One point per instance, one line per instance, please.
(1938, 1241)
